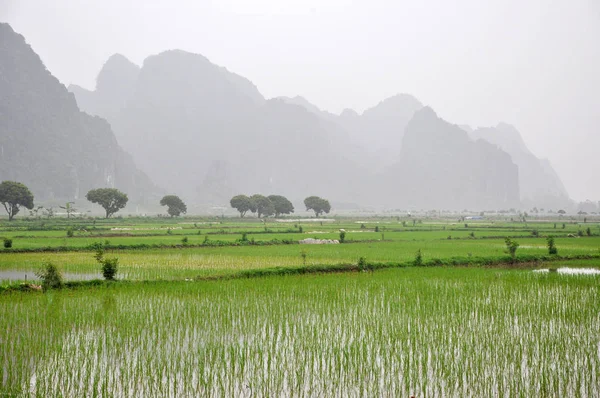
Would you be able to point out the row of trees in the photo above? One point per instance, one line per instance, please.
(262, 205)
(276, 205)
(15, 195)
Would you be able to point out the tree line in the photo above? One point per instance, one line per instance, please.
(266, 206)
(15, 195)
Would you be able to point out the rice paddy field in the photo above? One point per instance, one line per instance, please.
(198, 318)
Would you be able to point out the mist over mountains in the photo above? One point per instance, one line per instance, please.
(205, 133)
(46, 142)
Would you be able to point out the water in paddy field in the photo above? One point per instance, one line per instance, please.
(571, 271)
(30, 276)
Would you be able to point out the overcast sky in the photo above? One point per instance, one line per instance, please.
(532, 63)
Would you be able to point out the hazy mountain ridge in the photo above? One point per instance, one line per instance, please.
(540, 185)
(208, 134)
(380, 129)
(114, 87)
(441, 167)
(46, 141)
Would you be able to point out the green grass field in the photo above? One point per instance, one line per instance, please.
(160, 330)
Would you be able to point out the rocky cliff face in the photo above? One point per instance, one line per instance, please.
(46, 142)
(440, 167)
(539, 184)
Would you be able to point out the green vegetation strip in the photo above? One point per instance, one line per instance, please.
(528, 261)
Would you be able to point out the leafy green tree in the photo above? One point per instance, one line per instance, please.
(282, 205)
(317, 204)
(241, 203)
(111, 199)
(13, 195)
(261, 205)
(175, 206)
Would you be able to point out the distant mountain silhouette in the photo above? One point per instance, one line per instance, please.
(46, 142)
(380, 129)
(304, 103)
(440, 167)
(540, 186)
(206, 133)
(114, 87)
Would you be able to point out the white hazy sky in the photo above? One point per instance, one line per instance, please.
(532, 63)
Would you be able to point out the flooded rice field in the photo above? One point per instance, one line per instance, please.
(422, 332)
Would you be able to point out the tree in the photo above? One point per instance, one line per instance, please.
(13, 195)
(241, 203)
(68, 207)
(317, 204)
(282, 205)
(175, 206)
(261, 205)
(111, 199)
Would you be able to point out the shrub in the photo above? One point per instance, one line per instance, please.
(7, 243)
(244, 237)
(377, 228)
(362, 264)
(551, 245)
(588, 231)
(109, 268)
(535, 232)
(108, 265)
(342, 236)
(418, 258)
(300, 229)
(70, 233)
(580, 233)
(511, 248)
(184, 240)
(50, 276)
(303, 254)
